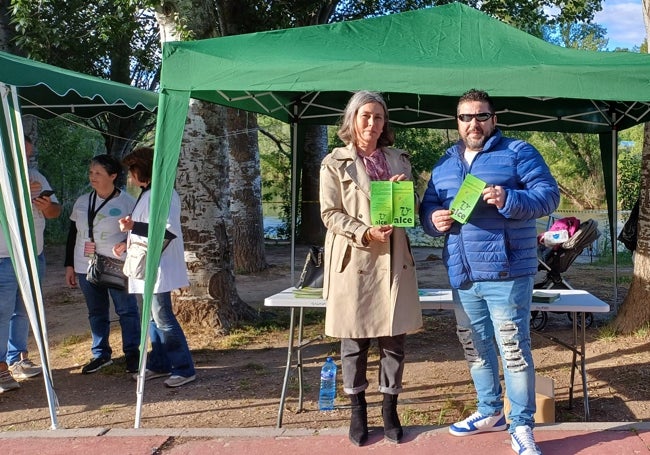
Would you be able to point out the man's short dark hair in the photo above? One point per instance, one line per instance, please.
(477, 95)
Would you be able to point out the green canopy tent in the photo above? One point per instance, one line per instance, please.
(421, 61)
(32, 88)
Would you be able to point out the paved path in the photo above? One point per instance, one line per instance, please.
(554, 439)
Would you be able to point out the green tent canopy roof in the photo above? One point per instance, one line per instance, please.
(422, 61)
(46, 91)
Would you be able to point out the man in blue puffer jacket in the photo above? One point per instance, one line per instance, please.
(491, 261)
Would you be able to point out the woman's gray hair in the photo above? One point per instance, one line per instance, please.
(347, 131)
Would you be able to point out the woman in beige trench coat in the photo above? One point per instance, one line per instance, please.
(370, 282)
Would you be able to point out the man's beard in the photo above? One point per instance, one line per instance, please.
(475, 143)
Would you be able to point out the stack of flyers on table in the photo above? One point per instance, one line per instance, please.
(545, 297)
(308, 293)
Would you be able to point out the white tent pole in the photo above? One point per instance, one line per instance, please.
(141, 375)
(294, 191)
(615, 207)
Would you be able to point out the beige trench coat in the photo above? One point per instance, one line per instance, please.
(370, 291)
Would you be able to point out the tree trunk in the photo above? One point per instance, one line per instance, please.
(7, 31)
(312, 229)
(202, 182)
(634, 312)
(203, 185)
(245, 175)
(246, 193)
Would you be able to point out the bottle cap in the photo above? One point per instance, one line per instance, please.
(329, 359)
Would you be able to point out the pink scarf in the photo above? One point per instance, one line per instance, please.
(376, 165)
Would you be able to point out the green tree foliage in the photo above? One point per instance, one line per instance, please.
(64, 152)
(275, 159)
(629, 166)
(425, 146)
(111, 39)
(577, 36)
(95, 38)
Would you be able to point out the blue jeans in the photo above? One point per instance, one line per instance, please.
(499, 311)
(169, 350)
(14, 321)
(126, 307)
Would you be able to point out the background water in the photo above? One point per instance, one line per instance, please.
(419, 238)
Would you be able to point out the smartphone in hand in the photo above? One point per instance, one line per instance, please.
(46, 193)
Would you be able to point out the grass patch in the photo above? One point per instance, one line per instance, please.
(108, 408)
(642, 332)
(623, 258)
(606, 333)
(73, 340)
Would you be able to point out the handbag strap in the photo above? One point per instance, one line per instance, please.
(166, 241)
(92, 200)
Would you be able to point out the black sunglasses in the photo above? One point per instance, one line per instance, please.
(481, 117)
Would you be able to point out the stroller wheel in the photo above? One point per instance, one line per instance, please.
(589, 319)
(538, 320)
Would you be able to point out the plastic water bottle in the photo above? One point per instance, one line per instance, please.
(327, 385)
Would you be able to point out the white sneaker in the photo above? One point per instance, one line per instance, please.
(7, 382)
(177, 381)
(24, 369)
(149, 374)
(479, 423)
(523, 441)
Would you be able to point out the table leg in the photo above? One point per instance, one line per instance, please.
(583, 365)
(299, 359)
(287, 369)
(578, 349)
(574, 320)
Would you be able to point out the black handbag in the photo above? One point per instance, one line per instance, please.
(312, 272)
(103, 270)
(629, 233)
(106, 271)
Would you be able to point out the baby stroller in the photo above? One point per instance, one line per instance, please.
(556, 259)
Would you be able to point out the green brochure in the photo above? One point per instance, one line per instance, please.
(466, 198)
(392, 203)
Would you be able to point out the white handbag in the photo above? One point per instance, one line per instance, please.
(136, 260)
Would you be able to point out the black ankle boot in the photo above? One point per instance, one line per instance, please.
(392, 428)
(359, 420)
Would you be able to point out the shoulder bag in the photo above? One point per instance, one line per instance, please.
(103, 270)
(312, 272)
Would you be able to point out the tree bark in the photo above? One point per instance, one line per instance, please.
(634, 312)
(246, 193)
(202, 182)
(312, 229)
(7, 32)
(245, 175)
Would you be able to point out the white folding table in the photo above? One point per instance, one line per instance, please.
(573, 301)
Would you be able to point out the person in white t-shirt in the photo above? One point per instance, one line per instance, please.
(101, 209)
(14, 321)
(170, 354)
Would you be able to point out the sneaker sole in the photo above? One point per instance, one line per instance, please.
(471, 432)
(7, 389)
(24, 376)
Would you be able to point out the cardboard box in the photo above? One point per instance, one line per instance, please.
(544, 399)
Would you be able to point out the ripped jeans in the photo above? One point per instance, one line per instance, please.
(499, 310)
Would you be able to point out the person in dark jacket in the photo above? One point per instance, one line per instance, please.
(491, 261)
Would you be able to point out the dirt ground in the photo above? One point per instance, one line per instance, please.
(240, 376)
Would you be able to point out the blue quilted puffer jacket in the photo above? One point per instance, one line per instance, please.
(494, 244)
